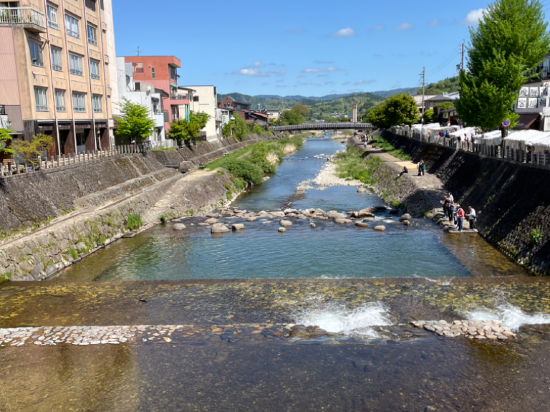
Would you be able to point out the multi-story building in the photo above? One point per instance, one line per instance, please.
(147, 95)
(162, 72)
(55, 71)
(205, 99)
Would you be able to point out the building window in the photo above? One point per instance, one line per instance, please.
(79, 103)
(195, 98)
(94, 69)
(173, 73)
(60, 101)
(71, 25)
(152, 73)
(52, 17)
(96, 103)
(137, 67)
(76, 64)
(40, 99)
(92, 35)
(36, 54)
(90, 4)
(57, 60)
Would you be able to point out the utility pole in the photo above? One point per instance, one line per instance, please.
(423, 74)
(462, 61)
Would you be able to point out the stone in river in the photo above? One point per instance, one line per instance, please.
(286, 211)
(251, 219)
(285, 223)
(342, 221)
(335, 215)
(282, 230)
(211, 221)
(406, 223)
(219, 228)
(318, 212)
(277, 214)
(406, 216)
(361, 224)
(361, 190)
(313, 225)
(380, 228)
(178, 226)
(237, 227)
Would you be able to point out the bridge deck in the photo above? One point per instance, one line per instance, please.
(323, 126)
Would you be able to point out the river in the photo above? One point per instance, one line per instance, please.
(186, 321)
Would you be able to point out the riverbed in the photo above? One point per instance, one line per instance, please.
(316, 318)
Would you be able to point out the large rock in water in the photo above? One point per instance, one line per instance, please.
(342, 221)
(282, 230)
(211, 221)
(361, 224)
(277, 214)
(237, 227)
(380, 228)
(219, 228)
(406, 216)
(333, 214)
(178, 226)
(361, 190)
(285, 223)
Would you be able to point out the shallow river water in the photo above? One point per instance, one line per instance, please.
(185, 321)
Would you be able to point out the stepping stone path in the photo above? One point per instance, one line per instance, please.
(472, 329)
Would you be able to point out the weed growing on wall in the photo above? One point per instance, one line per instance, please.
(134, 221)
(536, 236)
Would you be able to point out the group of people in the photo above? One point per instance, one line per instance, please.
(456, 214)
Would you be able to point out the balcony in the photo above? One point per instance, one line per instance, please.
(178, 97)
(31, 19)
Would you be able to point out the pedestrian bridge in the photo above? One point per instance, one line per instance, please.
(323, 126)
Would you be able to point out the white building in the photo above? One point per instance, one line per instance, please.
(273, 114)
(205, 99)
(146, 95)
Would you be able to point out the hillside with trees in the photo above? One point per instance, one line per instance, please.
(448, 85)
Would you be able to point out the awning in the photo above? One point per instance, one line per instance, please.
(526, 121)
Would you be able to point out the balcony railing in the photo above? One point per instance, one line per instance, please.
(80, 109)
(57, 67)
(95, 76)
(22, 15)
(178, 97)
(98, 110)
(40, 108)
(92, 41)
(76, 72)
(61, 109)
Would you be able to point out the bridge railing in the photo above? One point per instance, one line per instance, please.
(323, 126)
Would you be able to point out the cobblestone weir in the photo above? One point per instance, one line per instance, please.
(473, 329)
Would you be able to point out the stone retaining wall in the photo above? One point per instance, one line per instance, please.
(511, 199)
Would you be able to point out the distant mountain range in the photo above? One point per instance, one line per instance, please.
(269, 101)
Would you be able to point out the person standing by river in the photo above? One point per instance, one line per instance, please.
(460, 217)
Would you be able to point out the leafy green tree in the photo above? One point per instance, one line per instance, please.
(429, 116)
(257, 129)
(184, 131)
(5, 140)
(30, 151)
(301, 108)
(290, 117)
(240, 128)
(134, 121)
(397, 110)
(200, 118)
(226, 130)
(509, 42)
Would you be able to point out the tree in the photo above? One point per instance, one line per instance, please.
(397, 110)
(183, 130)
(5, 140)
(290, 117)
(226, 130)
(200, 118)
(257, 129)
(509, 42)
(429, 116)
(301, 108)
(134, 121)
(30, 152)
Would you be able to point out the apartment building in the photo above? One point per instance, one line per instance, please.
(205, 99)
(55, 72)
(162, 72)
(146, 95)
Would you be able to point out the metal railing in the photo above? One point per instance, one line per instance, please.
(72, 33)
(40, 108)
(76, 72)
(57, 67)
(323, 126)
(92, 41)
(61, 109)
(53, 25)
(80, 109)
(177, 97)
(13, 168)
(22, 15)
(95, 76)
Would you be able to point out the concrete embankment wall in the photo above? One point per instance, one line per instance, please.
(98, 197)
(511, 198)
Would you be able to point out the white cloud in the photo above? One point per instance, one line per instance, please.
(344, 33)
(249, 72)
(258, 73)
(404, 26)
(433, 22)
(257, 63)
(361, 81)
(327, 70)
(378, 27)
(474, 17)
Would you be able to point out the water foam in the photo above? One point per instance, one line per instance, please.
(353, 322)
(511, 316)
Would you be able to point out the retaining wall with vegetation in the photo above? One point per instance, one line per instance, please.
(512, 199)
(53, 217)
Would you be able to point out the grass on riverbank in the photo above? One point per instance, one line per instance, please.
(251, 163)
(350, 164)
(379, 141)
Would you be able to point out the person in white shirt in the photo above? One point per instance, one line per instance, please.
(472, 218)
(451, 198)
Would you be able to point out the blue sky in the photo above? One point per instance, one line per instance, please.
(303, 47)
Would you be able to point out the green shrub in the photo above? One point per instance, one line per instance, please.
(134, 221)
(536, 236)
(246, 170)
(5, 277)
(350, 164)
(239, 184)
(73, 253)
